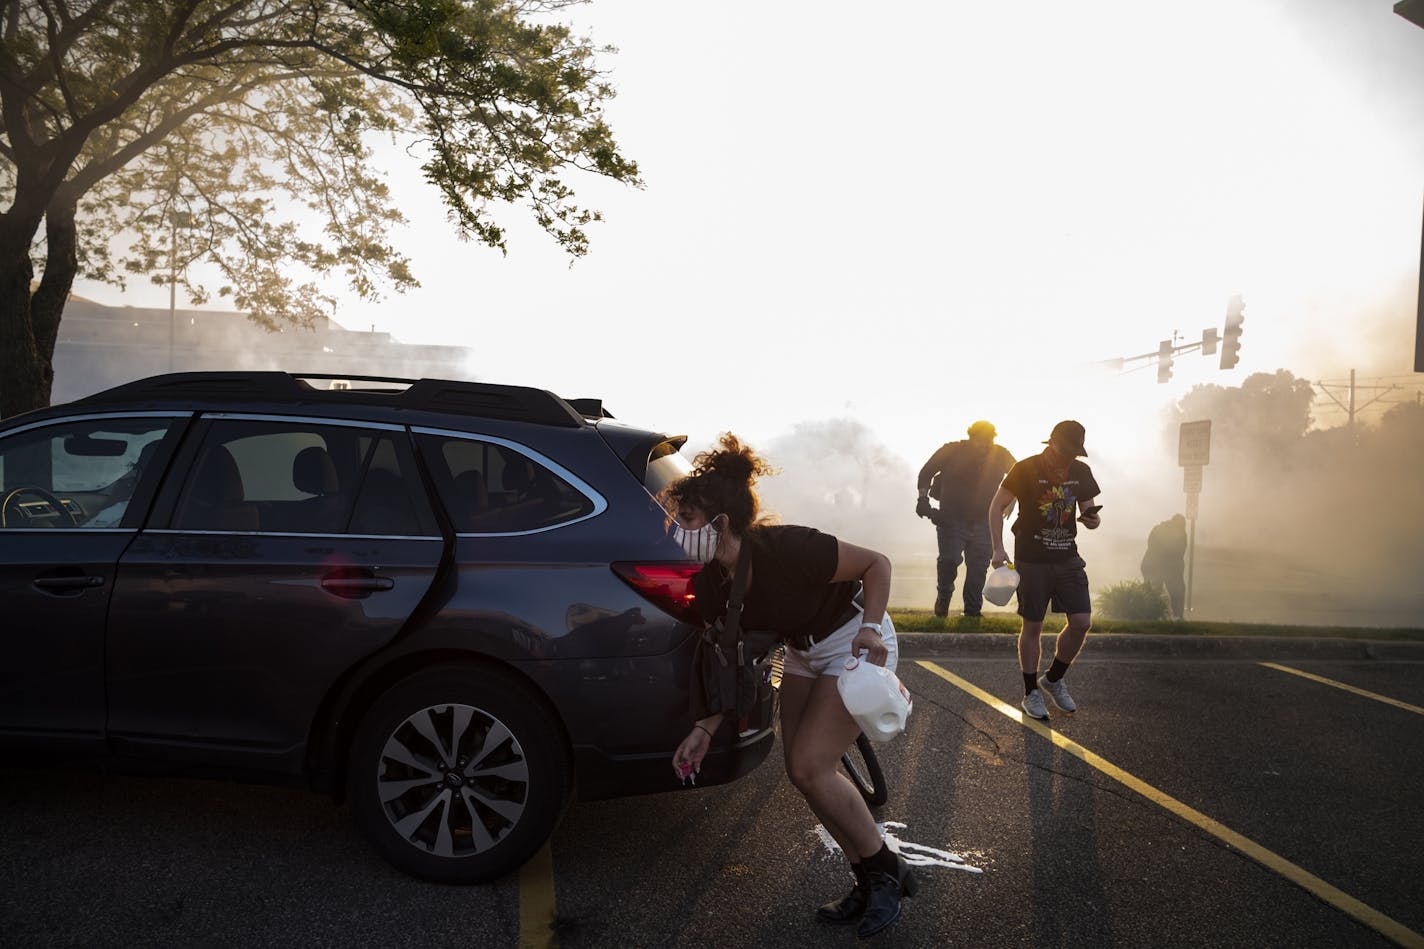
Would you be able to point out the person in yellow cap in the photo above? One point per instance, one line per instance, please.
(1054, 491)
(962, 477)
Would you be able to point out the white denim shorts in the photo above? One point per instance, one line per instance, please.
(827, 657)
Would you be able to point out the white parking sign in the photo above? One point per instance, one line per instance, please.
(1194, 443)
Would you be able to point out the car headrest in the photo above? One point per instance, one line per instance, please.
(313, 471)
(471, 490)
(517, 473)
(146, 453)
(218, 481)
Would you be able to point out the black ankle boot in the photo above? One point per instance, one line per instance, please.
(848, 908)
(884, 893)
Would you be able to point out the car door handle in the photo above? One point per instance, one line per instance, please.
(355, 587)
(67, 584)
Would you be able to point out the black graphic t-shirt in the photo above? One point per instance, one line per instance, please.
(790, 592)
(1047, 524)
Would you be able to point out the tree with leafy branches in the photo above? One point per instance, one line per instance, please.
(249, 124)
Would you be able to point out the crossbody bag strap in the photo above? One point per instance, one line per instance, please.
(732, 626)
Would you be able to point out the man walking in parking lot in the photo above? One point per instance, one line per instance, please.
(963, 476)
(1054, 491)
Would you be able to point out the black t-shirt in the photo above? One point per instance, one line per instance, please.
(790, 592)
(1047, 524)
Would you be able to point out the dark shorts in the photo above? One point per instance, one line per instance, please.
(1063, 585)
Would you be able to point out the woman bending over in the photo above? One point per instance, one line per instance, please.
(801, 585)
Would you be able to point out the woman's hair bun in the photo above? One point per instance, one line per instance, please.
(732, 460)
(736, 466)
(721, 483)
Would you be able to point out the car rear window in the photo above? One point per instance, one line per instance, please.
(665, 465)
(492, 488)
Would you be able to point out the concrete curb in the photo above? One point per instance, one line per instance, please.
(1127, 645)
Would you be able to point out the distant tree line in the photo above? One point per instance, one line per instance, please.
(1346, 499)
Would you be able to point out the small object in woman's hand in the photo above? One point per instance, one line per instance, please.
(684, 770)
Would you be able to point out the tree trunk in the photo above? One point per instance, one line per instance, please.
(24, 379)
(47, 305)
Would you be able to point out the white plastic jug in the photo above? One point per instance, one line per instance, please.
(999, 588)
(875, 699)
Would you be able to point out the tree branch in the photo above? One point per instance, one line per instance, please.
(97, 170)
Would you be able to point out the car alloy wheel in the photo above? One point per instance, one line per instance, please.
(458, 774)
(452, 780)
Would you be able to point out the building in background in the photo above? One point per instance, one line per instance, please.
(102, 346)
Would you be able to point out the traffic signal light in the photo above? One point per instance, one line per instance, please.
(1164, 361)
(1209, 341)
(1231, 337)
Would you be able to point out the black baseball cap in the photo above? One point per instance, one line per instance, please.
(1069, 434)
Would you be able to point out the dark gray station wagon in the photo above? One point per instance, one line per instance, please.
(454, 603)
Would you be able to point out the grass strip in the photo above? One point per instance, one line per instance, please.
(924, 621)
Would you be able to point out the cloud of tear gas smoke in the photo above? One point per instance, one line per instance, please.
(1302, 525)
(1297, 525)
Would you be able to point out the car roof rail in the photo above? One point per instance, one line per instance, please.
(480, 399)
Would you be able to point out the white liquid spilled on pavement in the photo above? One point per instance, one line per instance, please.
(916, 855)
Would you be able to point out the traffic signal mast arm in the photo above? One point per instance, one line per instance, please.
(1228, 343)
(1161, 357)
(1152, 356)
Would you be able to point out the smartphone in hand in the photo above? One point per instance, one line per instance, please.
(1090, 510)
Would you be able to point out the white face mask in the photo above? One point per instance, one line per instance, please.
(699, 544)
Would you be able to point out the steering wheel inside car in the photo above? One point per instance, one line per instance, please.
(67, 519)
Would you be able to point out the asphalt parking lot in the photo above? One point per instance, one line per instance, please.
(1198, 797)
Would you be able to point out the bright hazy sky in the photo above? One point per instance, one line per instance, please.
(925, 213)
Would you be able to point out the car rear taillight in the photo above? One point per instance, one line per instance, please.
(667, 585)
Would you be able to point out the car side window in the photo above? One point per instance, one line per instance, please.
(490, 488)
(303, 477)
(77, 474)
(392, 500)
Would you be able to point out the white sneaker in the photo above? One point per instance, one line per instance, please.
(1033, 704)
(1059, 693)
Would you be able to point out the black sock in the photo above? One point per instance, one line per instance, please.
(1056, 671)
(882, 860)
(1030, 682)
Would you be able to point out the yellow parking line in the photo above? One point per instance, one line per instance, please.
(536, 902)
(1348, 688)
(1342, 901)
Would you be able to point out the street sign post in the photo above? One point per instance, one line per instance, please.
(1193, 454)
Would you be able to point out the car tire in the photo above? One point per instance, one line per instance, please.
(459, 774)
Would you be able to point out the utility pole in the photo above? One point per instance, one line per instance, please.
(176, 219)
(1352, 399)
(1419, 325)
(172, 284)
(1351, 409)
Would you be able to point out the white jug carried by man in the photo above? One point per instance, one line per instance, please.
(1000, 586)
(875, 698)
